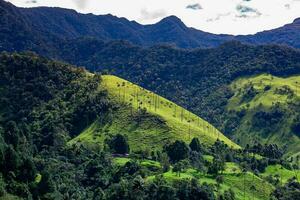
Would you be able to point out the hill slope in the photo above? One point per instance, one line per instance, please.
(269, 110)
(198, 80)
(37, 27)
(150, 121)
(45, 104)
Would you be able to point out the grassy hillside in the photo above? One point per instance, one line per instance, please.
(233, 178)
(282, 173)
(269, 109)
(245, 185)
(148, 119)
(235, 181)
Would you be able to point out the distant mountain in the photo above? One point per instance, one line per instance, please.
(289, 34)
(37, 28)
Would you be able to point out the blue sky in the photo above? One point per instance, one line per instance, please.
(215, 16)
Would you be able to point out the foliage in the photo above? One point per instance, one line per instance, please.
(177, 151)
(195, 145)
(118, 144)
(218, 165)
(41, 103)
(290, 190)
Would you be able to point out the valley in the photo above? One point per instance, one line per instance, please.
(95, 106)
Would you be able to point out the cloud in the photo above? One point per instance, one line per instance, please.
(150, 15)
(81, 4)
(287, 6)
(31, 1)
(247, 12)
(219, 16)
(195, 6)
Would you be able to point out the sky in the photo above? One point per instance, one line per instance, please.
(237, 17)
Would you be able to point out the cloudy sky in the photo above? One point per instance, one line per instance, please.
(215, 16)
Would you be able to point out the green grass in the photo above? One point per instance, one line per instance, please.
(9, 197)
(283, 173)
(267, 95)
(255, 187)
(121, 161)
(162, 122)
(208, 158)
(38, 178)
(149, 164)
(266, 98)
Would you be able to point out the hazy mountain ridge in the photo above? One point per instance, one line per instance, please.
(46, 25)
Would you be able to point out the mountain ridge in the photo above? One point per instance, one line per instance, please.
(60, 23)
(195, 79)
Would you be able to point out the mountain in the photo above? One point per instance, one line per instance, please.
(76, 104)
(286, 35)
(195, 79)
(40, 28)
(60, 128)
(67, 133)
(149, 121)
(47, 106)
(191, 78)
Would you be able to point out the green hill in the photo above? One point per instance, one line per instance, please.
(245, 185)
(268, 107)
(46, 106)
(148, 119)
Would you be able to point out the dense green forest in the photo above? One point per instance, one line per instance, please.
(44, 104)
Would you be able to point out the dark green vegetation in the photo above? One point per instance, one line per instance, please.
(46, 104)
(41, 29)
(43, 105)
(118, 144)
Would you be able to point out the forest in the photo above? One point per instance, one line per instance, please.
(99, 107)
(45, 103)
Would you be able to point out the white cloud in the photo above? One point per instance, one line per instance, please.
(246, 11)
(216, 16)
(81, 4)
(152, 15)
(195, 6)
(31, 1)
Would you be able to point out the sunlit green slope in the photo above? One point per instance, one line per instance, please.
(148, 119)
(245, 185)
(269, 107)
